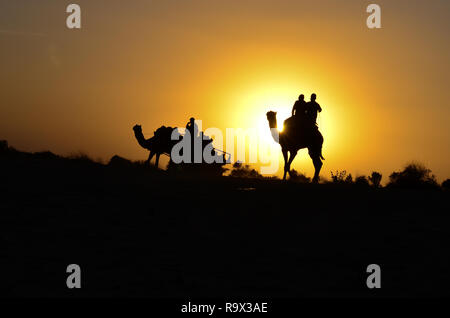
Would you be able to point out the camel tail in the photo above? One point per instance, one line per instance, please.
(321, 157)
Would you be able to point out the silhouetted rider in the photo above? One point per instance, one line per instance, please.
(192, 127)
(299, 106)
(312, 108)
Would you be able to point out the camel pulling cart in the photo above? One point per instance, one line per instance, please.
(162, 143)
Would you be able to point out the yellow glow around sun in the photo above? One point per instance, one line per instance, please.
(252, 103)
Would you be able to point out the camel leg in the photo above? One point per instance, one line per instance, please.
(285, 156)
(157, 160)
(291, 158)
(315, 156)
(150, 156)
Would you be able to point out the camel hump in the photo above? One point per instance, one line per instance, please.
(163, 131)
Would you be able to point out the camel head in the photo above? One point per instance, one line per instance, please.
(272, 118)
(140, 137)
(137, 128)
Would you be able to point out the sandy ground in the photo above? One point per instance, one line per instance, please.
(144, 233)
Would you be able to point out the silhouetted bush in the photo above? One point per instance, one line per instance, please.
(244, 171)
(362, 181)
(446, 184)
(375, 179)
(46, 155)
(119, 162)
(412, 176)
(3, 146)
(80, 156)
(349, 179)
(339, 176)
(298, 177)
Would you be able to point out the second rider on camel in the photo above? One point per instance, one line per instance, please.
(306, 112)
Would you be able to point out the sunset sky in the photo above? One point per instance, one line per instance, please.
(384, 92)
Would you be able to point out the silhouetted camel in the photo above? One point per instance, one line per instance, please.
(294, 137)
(160, 143)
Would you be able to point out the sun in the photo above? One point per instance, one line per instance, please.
(252, 101)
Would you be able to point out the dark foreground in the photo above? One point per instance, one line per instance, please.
(142, 232)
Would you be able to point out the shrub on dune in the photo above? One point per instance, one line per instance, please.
(446, 184)
(375, 179)
(414, 175)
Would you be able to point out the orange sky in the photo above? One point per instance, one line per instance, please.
(384, 92)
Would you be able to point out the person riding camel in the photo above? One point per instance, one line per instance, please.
(192, 127)
(312, 108)
(299, 108)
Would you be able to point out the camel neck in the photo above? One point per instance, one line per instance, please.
(273, 123)
(140, 138)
